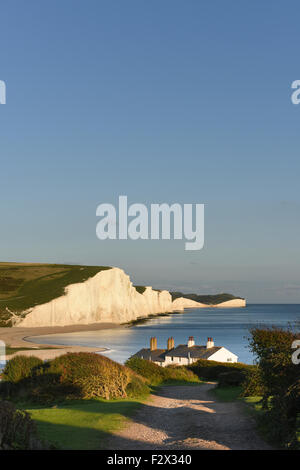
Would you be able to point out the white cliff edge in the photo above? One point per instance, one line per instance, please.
(181, 303)
(232, 303)
(109, 296)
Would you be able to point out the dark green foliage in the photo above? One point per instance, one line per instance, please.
(231, 379)
(211, 370)
(83, 375)
(280, 382)
(253, 384)
(140, 289)
(156, 374)
(205, 299)
(71, 376)
(150, 371)
(17, 430)
(137, 386)
(20, 367)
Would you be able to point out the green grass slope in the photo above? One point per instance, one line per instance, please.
(24, 285)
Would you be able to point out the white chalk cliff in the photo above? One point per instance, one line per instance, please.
(232, 303)
(181, 303)
(109, 296)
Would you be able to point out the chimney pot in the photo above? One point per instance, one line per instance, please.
(153, 343)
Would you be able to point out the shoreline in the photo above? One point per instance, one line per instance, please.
(16, 337)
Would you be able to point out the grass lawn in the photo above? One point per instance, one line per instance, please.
(82, 424)
(85, 424)
(227, 393)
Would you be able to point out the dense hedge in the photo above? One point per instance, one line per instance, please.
(156, 374)
(280, 383)
(20, 367)
(211, 370)
(75, 375)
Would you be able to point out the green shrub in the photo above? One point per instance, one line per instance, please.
(82, 375)
(156, 374)
(231, 378)
(253, 384)
(20, 367)
(280, 380)
(211, 370)
(150, 371)
(179, 374)
(17, 430)
(137, 387)
(73, 376)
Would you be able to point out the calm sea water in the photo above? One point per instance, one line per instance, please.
(228, 327)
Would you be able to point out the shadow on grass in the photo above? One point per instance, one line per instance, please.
(81, 424)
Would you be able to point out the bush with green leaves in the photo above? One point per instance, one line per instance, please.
(137, 386)
(147, 369)
(20, 367)
(73, 376)
(280, 379)
(211, 370)
(252, 385)
(82, 375)
(231, 378)
(17, 430)
(156, 374)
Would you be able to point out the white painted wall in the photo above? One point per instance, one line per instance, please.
(223, 355)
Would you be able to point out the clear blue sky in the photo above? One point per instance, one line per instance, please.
(165, 101)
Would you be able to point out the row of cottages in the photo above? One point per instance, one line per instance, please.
(185, 354)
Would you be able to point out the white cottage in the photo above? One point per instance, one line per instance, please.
(185, 354)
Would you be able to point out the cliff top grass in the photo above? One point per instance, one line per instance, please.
(24, 285)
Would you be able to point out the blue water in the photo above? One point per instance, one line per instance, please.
(228, 327)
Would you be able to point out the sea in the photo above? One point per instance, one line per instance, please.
(228, 327)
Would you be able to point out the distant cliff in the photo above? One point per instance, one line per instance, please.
(59, 295)
(214, 300)
(109, 296)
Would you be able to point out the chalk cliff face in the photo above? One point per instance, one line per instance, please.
(232, 303)
(109, 297)
(181, 303)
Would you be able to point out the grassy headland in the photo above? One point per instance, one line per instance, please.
(24, 285)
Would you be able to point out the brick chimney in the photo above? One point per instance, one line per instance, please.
(210, 343)
(170, 344)
(153, 343)
(191, 342)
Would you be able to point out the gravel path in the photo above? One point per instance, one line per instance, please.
(188, 417)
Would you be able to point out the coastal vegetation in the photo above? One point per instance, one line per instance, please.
(88, 391)
(228, 373)
(157, 375)
(23, 285)
(271, 388)
(83, 391)
(17, 430)
(279, 381)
